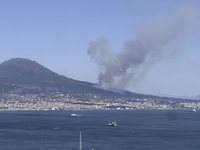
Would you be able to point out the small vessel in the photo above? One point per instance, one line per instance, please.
(109, 124)
(75, 115)
(191, 110)
(114, 124)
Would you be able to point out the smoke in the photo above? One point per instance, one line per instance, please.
(154, 40)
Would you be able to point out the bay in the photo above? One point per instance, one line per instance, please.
(136, 130)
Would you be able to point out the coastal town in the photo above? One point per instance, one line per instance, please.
(88, 101)
(27, 85)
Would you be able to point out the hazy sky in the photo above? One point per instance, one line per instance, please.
(145, 46)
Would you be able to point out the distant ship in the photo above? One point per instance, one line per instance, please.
(114, 124)
(76, 115)
(191, 110)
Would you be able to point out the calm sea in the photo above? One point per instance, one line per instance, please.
(136, 130)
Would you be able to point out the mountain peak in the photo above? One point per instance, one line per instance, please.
(22, 63)
(26, 72)
(13, 60)
(20, 74)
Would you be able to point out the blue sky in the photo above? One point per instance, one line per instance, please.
(58, 34)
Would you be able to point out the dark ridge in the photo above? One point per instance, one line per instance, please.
(25, 71)
(26, 74)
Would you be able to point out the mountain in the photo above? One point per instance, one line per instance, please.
(27, 85)
(20, 75)
(28, 74)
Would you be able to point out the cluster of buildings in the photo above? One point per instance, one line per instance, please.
(87, 101)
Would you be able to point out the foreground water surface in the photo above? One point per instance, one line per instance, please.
(136, 130)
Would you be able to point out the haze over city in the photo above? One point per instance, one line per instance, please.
(143, 46)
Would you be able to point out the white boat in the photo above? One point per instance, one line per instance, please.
(73, 114)
(76, 115)
(109, 124)
(191, 110)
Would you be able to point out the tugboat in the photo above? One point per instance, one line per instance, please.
(114, 124)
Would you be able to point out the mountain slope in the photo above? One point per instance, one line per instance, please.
(25, 84)
(19, 75)
(30, 74)
(24, 71)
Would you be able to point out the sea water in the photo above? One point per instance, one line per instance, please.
(136, 130)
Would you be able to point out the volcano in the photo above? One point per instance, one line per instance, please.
(23, 77)
(30, 74)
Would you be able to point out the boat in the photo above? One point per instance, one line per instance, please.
(73, 114)
(191, 110)
(114, 124)
(109, 124)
